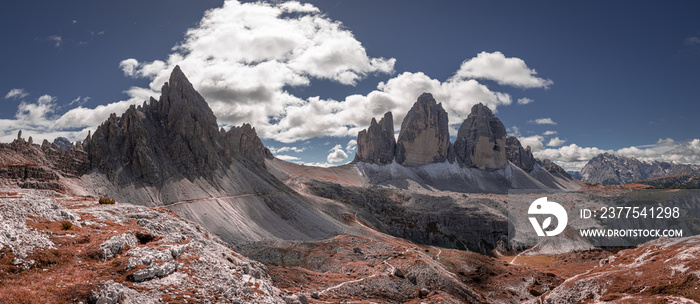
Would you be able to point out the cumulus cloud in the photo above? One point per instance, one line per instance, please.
(337, 155)
(503, 70)
(549, 132)
(133, 68)
(524, 101)
(535, 142)
(16, 94)
(555, 142)
(352, 145)
(36, 113)
(82, 117)
(574, 157)
(242, 56)
(543, 121)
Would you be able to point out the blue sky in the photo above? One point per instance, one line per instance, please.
(613, 76)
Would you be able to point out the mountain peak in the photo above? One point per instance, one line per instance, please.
(174, 136)
(424, 137)
(481, 140)
(481, 109)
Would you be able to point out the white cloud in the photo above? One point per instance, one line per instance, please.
(16, 94)
(286, 149)
(571, 153)
(504, 71)
(555, 142)
(337, 154)
(294, 6)
(79, 101)
(133, 68)
(543, 121)
(81, 117)
(524, 101)
(549, 132)
(351, 145)
(573, 157)
(242, 56)
(513, 131)
(36, 113)
(666, 142)
(534, 142)
(287, 157)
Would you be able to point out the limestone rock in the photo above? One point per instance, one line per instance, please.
(519, 156)
(155, 270)
(62, 143)
(481, 140)
(424, 137)
(376, 144)
(116, 245)
(172, 137)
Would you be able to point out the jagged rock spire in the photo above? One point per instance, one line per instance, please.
(376, 144)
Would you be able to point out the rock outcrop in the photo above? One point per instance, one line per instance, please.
(554, 169)
(481, 140)
(424, 137)
(376, 144)
(176, 135)
(30, 165)
(519, 156)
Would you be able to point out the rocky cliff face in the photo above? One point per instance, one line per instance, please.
(29, 165)
(173, 136)
(481, 140)
(519, 156)
(614, 169)
(424, 137)
(376, 144)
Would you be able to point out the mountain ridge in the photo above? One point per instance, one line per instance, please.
(615, 169)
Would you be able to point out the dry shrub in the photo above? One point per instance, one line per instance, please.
(106, 200)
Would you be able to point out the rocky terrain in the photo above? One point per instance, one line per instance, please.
(613, 169)
(57, 248)
(661, 271)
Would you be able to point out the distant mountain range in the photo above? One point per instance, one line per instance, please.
(610, 169)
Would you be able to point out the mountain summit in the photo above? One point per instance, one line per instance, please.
(174, 136)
